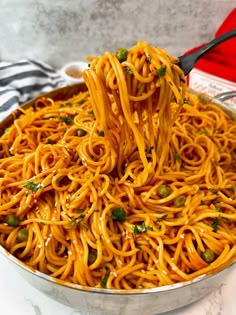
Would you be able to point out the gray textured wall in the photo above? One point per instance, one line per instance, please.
(57, 31)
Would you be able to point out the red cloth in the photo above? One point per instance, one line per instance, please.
(221, 60)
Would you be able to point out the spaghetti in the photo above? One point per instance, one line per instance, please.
(129, 185)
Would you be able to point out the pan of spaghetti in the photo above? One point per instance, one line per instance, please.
(118, 194)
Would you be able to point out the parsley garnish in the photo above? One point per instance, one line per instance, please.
(148, 58)
(138, 247)
(215, 224)
(79, 210)
(161, 71)
(104, 280)
(118, 214)
(204, 132)
(81, 102)
(143, 227)
(67, 120)
(214, 201)
(135, 229)
(177, 156)
(164, 216)
(101, 133)
(128, 70)
(213, 191)
(187, 101)
(33, 186)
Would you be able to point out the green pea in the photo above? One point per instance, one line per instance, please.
(92, 257)
(163, 191)
(179, 201)
(121, 54)
(208, 256)
(12, 220)
(81, 132)
(22, 235)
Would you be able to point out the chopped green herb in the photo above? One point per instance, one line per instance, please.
(73, 223)
(49, 140)
(202, 203)
(183, 169)
(81, 216)
(214, 201)
(187, 101)
(204, 132)
(213, 191)
(163, 191)
(92, 257)
(118, 214)
(143, 227)
(101, 133)
(135, 229)
(179, 201)
(67, 120)
(215, 224)
(33, 186)
(122, 54)
(12, 220)
(104, 280)
(81, 132)
(97, 210)
(22, 235)
(6, 130)
(150, 228)
(170, 83)
(218, 208)
(164, 216)
(68, 104)
(128, 70)
(177, 156)
(208, 256)
(79, 210)
(81, 102)
(91, 112)
(161, 71)
(138, 247)
(148, 58)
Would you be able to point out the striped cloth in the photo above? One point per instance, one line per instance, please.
(24, 80)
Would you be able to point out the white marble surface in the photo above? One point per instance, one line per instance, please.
(17, 297)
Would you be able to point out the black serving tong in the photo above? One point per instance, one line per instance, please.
(187, 62)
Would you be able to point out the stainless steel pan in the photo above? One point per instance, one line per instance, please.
(97, 301)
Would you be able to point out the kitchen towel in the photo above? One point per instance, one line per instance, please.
(221, 60)
(23, 80)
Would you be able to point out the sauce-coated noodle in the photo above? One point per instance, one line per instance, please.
(129, 185)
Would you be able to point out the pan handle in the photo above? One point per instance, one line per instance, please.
(225, 96)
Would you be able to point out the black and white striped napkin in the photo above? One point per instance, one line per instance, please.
(23, 80)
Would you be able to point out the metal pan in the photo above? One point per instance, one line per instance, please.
(96, 301)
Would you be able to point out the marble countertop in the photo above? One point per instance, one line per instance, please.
(19, 297)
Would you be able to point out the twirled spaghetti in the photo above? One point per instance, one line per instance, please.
(129, 185)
